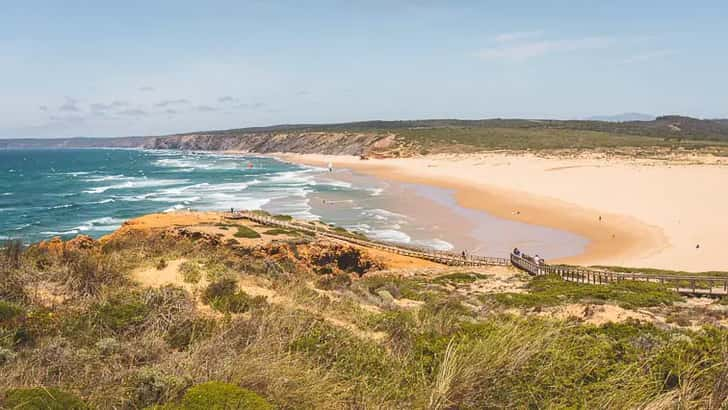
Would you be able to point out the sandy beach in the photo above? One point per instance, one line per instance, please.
(634, 212)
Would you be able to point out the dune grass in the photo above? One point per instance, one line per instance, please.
(246, 232)
(552, 290)
(122, 346)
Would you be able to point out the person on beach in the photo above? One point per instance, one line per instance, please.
(463, 254)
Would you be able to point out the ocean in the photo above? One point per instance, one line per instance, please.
(66, 192)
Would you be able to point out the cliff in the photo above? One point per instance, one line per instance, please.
(336, 143)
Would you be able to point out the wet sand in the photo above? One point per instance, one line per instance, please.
(431, 216)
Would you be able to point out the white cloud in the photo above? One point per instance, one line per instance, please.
(520, 51)
(516, 36)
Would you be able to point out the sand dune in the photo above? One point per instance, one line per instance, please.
(635, 212)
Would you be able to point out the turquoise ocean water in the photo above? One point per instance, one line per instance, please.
(65, 192)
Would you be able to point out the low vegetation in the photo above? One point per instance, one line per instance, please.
(217, 395)
(662, 272)
(245, 232)
(76, 334)
(281, 231)
(42, 398)
(552, 290)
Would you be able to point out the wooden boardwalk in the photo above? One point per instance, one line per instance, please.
(445, 258)
(686, 285)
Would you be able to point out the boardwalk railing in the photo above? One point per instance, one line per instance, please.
(689, 285)
(446, 258)
(685, 284)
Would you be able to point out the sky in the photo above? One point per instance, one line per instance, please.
(103, 68)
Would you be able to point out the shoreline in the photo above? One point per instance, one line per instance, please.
(614, 237)
(500, 203)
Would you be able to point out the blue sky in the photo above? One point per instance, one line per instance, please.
(97, 68)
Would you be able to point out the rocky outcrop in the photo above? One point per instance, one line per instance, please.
(323, 257)
(56, 246)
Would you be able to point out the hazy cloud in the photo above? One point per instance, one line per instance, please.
(226, 99)
(71, 105)
(133, 112)
(146, 88)
(67, 119)
(253, 106)
(114, 105)
(516, 36)
(170, 111)
(205, 108)
(43, 108)
(520, 51)
(303, 92)
(648, 56)
(167, 103)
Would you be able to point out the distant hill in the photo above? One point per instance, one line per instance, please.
(628, 116)
(418, 136)
(77, 142)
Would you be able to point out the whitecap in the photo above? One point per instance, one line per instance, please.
(76, 173)
(337, 184)
(436, 244)
(184, 199)
(382, 214)
(54, 233)
(103, 224)
(389, 235)
(61, 206)
(174, 208)
(107, 178)
(136, 183)
(103, 201)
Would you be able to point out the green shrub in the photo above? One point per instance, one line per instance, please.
(9, 311)
(121, 311)
(215, 270)
(245, 232)
(225, 297)
(161, 264)
(283, 217)
(186, 332)
(221, 396)
(42, 398)
(334, 282)
(281, 231)
(221, 288)
(190, 271)
(459, 277)
(150, 387)
(552, 290)
(238, 302)
(397, 286)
